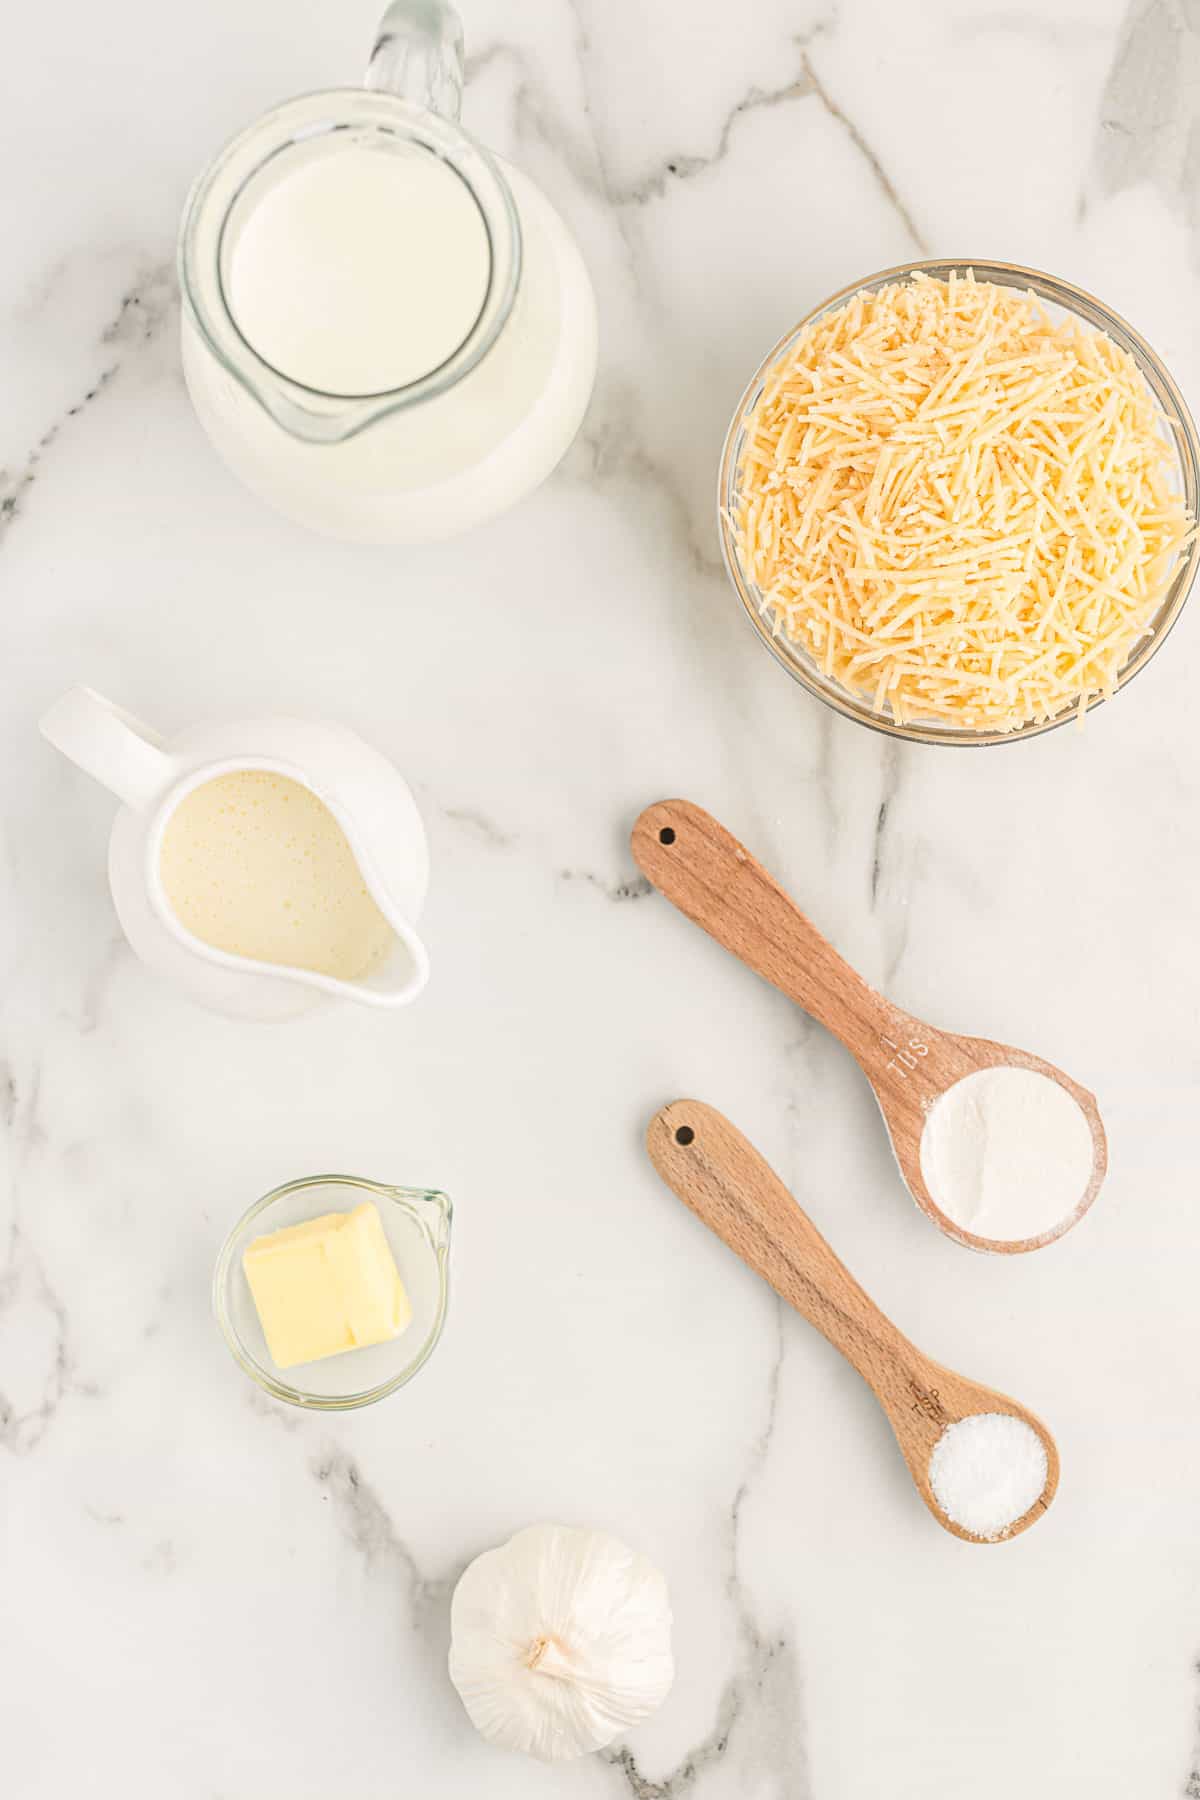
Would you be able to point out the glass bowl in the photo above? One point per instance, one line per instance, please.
(416, 1222)
(1060, 297)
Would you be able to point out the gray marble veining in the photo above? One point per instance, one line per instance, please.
(207, 1594)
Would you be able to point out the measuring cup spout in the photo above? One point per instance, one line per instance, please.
(112, 746)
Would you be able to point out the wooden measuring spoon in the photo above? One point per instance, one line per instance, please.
(722, 1178)
(714, 880)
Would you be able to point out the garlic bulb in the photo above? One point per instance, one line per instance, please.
(560, 1640)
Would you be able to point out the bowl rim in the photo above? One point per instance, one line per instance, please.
(408, 1198)
(1092, 311)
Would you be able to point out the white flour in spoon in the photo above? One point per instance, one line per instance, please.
(1007, 1153)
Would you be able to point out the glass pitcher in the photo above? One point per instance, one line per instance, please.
(442, 448)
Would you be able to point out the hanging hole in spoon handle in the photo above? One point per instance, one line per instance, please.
(701, 868)
(720, 1176)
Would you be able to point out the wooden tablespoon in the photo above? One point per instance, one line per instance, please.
(704, 871)
(726, 1183)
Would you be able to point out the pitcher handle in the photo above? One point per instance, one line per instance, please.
(112, 746)
(418, 55)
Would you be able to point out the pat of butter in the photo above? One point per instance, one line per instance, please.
(328, 1285)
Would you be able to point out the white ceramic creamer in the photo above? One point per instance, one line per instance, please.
(388, 333)
(366, 810)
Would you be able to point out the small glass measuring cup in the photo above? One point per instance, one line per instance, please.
(416, 1223)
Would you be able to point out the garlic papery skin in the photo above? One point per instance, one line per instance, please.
(560, 1640)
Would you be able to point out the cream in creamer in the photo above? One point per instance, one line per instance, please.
(255, 864)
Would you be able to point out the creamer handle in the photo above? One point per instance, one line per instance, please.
(110, 745)
(418, 55)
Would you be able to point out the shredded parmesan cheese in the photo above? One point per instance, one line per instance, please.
(960, 508)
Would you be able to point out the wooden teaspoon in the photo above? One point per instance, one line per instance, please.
(726, 1183)
(712, 878)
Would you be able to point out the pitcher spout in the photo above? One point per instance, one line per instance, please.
(399, 977)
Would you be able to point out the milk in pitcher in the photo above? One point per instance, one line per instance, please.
(253, 863)
(388, 333)
(360, 269)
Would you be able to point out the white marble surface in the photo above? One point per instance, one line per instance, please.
(208, 1595)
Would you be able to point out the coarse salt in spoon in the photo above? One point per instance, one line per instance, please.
(1001, 1149)
(985, 1466)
